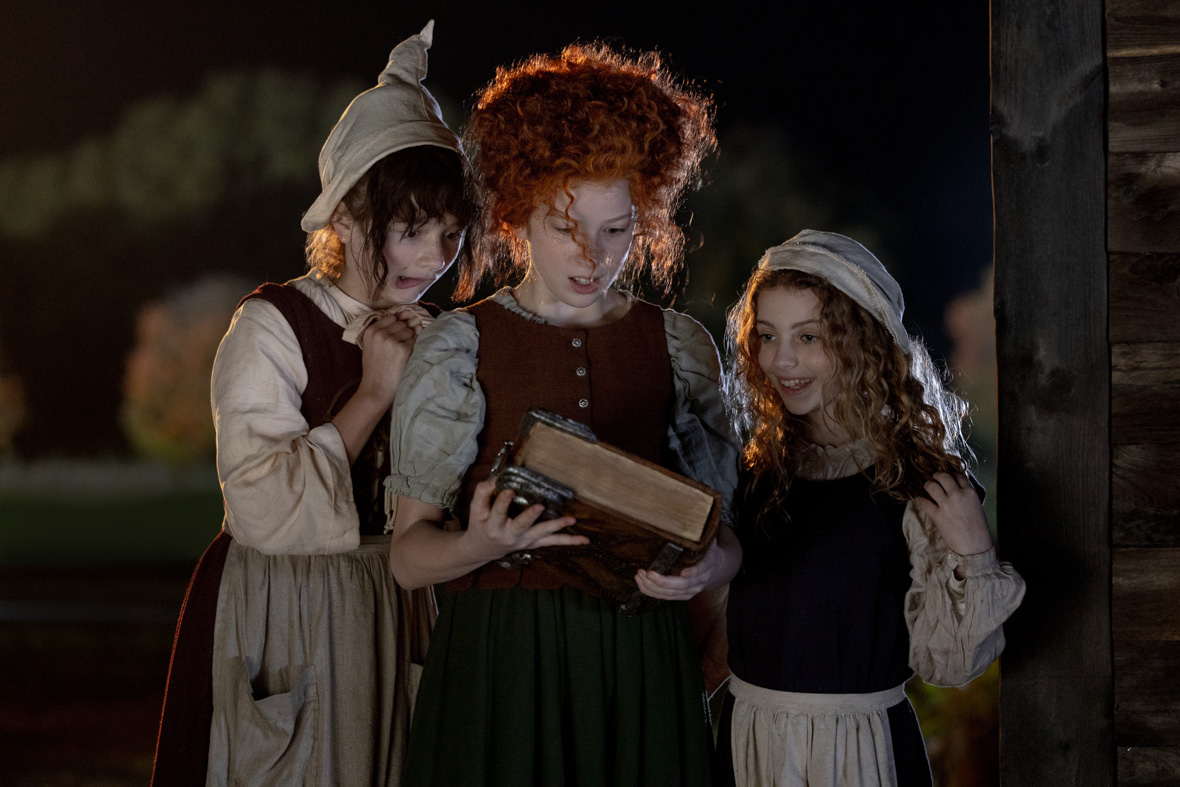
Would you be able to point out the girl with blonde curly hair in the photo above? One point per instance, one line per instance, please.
(580, 161)
(867, 555)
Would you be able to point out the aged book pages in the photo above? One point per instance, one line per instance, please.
(636, 514)
(606, 477)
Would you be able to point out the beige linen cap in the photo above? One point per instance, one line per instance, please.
(398, 113)
(850, 268)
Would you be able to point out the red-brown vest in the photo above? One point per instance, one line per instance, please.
(616, 379)
(333, 376)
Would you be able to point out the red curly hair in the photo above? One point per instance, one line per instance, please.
(588, 114)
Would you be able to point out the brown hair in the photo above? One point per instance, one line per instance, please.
(588, 114)
(899, 403)
(410, 186)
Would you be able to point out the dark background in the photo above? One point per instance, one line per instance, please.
(867, 118)
(145, 146)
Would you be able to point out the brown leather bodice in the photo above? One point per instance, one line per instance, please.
(615, 378)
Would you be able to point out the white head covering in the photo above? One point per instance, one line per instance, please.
(850, 268)
(398, 113)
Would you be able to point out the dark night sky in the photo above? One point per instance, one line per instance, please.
(885, 103)
(887, 97)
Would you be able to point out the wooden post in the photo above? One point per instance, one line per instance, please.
(1143, 224)
(1053, 486)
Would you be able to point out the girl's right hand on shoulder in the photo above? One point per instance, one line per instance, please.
(491, 533)
(387, 346)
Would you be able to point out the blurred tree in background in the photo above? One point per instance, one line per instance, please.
(139, 244)
(166, 413)
(181, 188)
(172, 159)
(971, 323)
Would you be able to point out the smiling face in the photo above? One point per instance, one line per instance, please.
(791, 354)
(577, 245)
(416, 257)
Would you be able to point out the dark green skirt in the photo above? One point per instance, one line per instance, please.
(554, 687)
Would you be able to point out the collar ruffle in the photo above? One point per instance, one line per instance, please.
(829, 462)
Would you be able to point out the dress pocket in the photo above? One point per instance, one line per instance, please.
(273, 740)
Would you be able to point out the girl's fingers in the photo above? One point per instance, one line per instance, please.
(947, 481)
(935, 490)
(551, 526)
(500, 505)
(927, 507)
(481, 498)
(665, 587)
(560, 540)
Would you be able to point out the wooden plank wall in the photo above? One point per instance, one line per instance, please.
(1143, 210)
(1049, 184)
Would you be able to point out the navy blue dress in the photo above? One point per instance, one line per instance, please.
(818, 606)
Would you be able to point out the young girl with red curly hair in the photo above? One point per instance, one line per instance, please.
(581, 160)
(867, 556)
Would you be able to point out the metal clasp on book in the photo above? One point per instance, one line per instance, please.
(515, 560)
(498, 462)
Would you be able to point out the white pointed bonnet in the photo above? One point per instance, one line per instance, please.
(850, 268)
(398, 113)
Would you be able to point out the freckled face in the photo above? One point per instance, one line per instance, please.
(791, 352)
(577, 246)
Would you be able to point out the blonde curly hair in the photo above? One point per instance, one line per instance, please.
(900, 403)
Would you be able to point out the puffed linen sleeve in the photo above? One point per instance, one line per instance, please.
(700, 434)
(955, 625)
(287, 487)
(438, 413)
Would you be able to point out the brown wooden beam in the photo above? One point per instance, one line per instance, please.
(1144, 202)
(1144, 109)
(1142, 27)
(1148, 766)
(1144, 298)
(1146, 496)
(1053, 487)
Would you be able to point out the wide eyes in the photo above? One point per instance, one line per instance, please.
(404, 232)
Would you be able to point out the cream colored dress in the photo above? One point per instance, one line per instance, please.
(312, 667)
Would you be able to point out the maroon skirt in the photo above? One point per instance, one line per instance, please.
(182, 747)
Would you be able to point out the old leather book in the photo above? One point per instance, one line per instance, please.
(635, 513)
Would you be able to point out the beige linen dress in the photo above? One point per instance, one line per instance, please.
(312, 668)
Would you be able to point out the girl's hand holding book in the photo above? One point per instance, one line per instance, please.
(491, 533)
(716, 568)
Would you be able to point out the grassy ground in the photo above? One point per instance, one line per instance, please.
(89, 593)
(46, 530)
